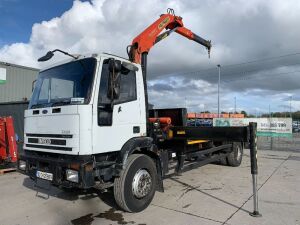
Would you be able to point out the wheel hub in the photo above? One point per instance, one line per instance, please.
(239, 153)
(141, 184)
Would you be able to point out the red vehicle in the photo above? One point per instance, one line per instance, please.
(8, 144)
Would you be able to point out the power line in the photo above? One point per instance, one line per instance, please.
(250, 77)
(232, 65)
(253, 71)
(236, 74)
(263, 59)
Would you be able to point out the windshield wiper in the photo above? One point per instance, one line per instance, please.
(41, 105)
(63, 102)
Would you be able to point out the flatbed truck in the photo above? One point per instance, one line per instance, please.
(88, 125)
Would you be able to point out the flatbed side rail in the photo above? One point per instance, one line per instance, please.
(233, 134)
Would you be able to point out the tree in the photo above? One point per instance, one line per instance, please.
(244, 112)
(296, 115)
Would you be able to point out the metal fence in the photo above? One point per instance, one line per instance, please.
(280, 143)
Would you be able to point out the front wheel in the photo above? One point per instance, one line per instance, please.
(135, 188)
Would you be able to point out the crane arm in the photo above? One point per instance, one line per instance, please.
(151, 35)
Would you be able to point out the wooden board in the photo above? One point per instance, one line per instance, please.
(8, 170)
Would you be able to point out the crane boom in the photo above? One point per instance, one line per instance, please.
(142, 43)
(151, 35)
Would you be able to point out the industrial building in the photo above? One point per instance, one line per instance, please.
(15, 91)
(16, 82)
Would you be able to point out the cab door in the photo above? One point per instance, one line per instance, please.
(118, 121)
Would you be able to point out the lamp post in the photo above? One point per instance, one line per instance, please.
(219, 66)
(234, 104)
(291, 106)
(270, 117)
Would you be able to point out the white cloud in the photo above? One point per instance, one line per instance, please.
(240, 30)
(102, 25)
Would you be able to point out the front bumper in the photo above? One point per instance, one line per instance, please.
(57, 164)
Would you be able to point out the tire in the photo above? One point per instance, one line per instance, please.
(124, 193)
(223, 161)
(234, 159)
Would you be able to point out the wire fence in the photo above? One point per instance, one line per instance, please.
(280, 143)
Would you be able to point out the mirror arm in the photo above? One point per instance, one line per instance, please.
(66, 53)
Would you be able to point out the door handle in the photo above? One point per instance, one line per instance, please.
(136, 129)
(119, 109)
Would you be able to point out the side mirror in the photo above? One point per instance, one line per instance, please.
(114, 67)
(116, 89)
(129, 66)
(46, 57)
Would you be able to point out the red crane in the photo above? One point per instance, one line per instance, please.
(142, 43)
(151, 35)
(8, 145)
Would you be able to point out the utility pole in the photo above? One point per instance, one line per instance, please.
(234, 104)
(271, 143)
(291, 106)
(219, 66)
(285, 112)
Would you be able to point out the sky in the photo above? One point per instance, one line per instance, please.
(17, 17)
(255, 42)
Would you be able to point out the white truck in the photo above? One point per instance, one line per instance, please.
(88, 125)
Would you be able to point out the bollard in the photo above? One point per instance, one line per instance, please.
(253, 159)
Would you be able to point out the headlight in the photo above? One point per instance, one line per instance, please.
(72, 175)
(22, 165)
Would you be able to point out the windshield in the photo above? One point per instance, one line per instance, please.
(69, 83)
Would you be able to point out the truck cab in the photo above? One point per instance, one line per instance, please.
(75, 120)
(71, 112)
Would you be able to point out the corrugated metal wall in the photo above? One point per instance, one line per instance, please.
(18, 82)
(16, 110)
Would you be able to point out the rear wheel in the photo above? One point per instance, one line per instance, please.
(135, 188)
(223, 161)
(235, 157)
